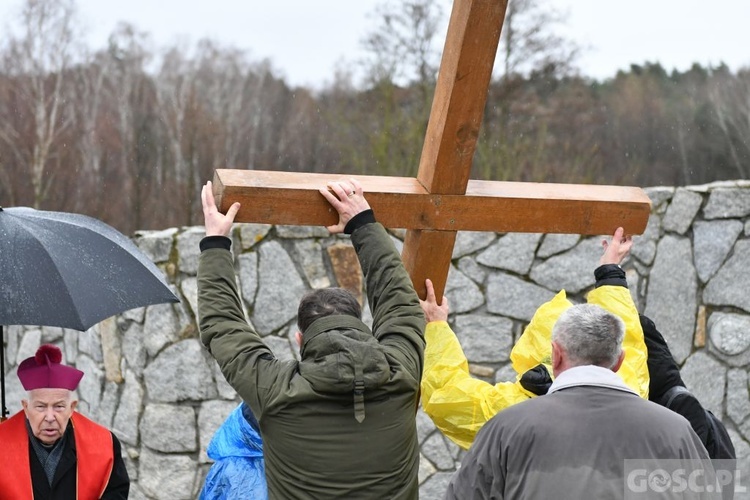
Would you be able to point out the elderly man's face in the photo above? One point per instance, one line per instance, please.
(49, 411)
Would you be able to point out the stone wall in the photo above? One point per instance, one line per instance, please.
(150, 380)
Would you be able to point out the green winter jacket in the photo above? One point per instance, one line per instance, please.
(322, 438)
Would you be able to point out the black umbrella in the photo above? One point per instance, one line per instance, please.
(71, 271)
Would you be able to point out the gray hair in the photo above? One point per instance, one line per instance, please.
(590, 335)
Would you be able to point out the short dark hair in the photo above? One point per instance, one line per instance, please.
(326, 302)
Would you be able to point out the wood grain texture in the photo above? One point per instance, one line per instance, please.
(402, 202)
(460, 94)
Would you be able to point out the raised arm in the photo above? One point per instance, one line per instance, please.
(612, 293)
(530, 355)
(398, 322)
(246, 362)
(457, 403)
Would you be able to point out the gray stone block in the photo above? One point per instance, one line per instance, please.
(110, 336)
(644, 246)
(513, 252)
(426, 469)
(189, 289)
(160, 328)
(179, 373)
(659, 195)
(436, 451)
(514, 297)
(729, 337)
(742, 448)
(166, 477)
(133, 348)
(702, 375)
(108, 405)
(169, 428)
(738, 395)
(724, 203)
(672, 295)
(157, 245)
(463, 294)
(302, 232)
(89, 343)
(188, 249)
(125, 423)
(14, 392)
(279, 291)
(484, 338)
(712, 242)
(425, 425)
(310, 258)
(90, 387)
(436, 486)
(252, 234)
(556, 243)
(729, 332)
(573, 270)
(51, 334)
(138, 314)
(468, 242)
(681, 212)
(470, 268)
(248, 271)
(69, 345)
(30, 343)
(726, 288)
(13, 335)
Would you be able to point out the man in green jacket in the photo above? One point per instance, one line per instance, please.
(339, 423)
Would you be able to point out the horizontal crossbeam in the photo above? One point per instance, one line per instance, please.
(289, 198)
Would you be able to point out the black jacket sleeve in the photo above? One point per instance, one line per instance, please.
(119, 481)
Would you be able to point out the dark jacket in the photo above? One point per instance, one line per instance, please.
(64, 482)
(668, 389)
(315, 445)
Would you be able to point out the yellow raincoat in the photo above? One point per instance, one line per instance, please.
(460, 404)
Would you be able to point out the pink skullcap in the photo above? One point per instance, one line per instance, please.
(44, 371)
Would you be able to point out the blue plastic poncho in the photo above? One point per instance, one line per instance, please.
(239, 469)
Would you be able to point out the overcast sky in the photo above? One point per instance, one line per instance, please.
(304, 38)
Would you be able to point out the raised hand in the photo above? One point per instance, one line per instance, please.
(348, 199)
(217, 224)
(617, 249)
(432, 310)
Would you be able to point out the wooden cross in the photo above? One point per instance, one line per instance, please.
(442, 199)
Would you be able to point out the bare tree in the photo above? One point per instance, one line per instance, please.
(178, 107)
(528, 41)
(401, 69)
(39, 57)
(730, 99)
(89, 79)
(220, 82)
(129, 95)
(402, 47)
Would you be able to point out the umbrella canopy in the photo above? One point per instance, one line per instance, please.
(71, 271)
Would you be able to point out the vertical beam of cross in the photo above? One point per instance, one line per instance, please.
(453, 128)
